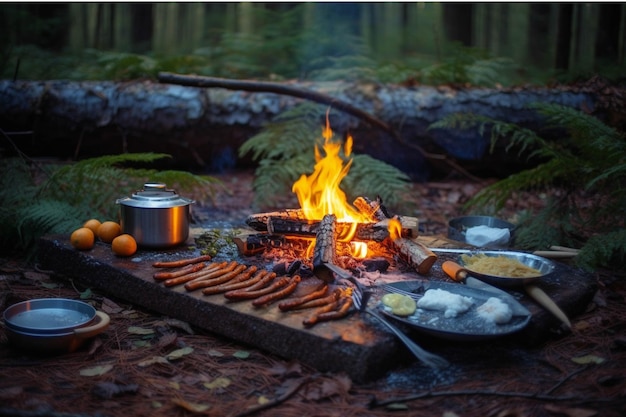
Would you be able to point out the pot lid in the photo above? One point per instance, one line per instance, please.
(154, 195)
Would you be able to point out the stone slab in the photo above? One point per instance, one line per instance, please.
(356, 345)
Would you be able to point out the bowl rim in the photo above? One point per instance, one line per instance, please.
(41, 303)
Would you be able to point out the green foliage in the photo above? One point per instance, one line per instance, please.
(284, 150)
(463, 65)
(584, 171)
(73, 193)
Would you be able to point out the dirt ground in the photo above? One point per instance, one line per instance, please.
(147, 364)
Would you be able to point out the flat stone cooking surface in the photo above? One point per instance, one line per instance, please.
(356, 345)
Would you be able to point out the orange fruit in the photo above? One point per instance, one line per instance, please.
(108, 231)
(124, 245)
(82, 238)
(92, 224)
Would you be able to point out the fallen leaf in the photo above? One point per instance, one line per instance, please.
(179, 353)
(400, 406)
(174, 384)
(191, 407)
(570, 412)
(86, 294)
(140, 330)
(215, 353)
(167, 339)
(49, 285)
(329, 387)
(110, 307)
(220, 382)
(587, 359)
(263, 400)
(286, 369)
(96, 370)
(179, 324)
(241, 354)
(141, 343)
(152, 361)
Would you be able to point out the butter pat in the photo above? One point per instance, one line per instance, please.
(487, 236)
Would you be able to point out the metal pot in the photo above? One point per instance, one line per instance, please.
(155, 216)
(53, 325)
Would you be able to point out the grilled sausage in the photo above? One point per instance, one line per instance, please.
(189, 269)
(295, 302)
(314, 317)
(182, 262)
(230, 286)
(209, 282)
(277, 295)
(211, 269)
(247, 294)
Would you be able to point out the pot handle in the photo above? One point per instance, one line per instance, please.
(91, 331)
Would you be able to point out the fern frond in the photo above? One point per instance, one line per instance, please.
(608, 250)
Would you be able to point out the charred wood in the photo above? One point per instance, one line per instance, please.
(252, 244)
(374, 209)
(325, 248)
(362, 231)
(259, 221)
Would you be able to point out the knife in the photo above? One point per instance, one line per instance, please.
(458, 273)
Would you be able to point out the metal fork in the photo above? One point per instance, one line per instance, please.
(391, 288)
(360, 298)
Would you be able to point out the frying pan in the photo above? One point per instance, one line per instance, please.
(543, 265)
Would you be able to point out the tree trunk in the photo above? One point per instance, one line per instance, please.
(204, 127)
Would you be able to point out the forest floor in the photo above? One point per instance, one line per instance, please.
(147, 364)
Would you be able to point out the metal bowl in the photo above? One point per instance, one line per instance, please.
(459, 225)
(51, 325)
(543, 265)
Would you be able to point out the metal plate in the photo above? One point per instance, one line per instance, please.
(545, 267)
(466, 326)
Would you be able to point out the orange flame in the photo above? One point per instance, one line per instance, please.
(395, 228)
(319, 193)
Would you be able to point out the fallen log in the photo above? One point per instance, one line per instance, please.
(191, 124)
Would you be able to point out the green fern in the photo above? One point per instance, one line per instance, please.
(586, 168)
(285, 151)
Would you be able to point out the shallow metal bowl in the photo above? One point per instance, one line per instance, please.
(459, 225)
(543, 265)
(51, 325)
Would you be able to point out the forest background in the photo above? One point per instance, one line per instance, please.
(388, 41)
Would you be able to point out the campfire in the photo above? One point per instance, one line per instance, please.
(331, 225)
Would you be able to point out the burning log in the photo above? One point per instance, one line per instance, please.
(325, 248)
(258, 221)
(415, 254)
(373, 209)
(253, 244)
(364, 231)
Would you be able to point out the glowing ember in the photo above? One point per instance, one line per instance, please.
(319, 193)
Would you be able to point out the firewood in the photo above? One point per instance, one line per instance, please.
(325, 248)
(373, 209)
(252, 244)
(258, 221)
(364, 231)
(415, 254)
